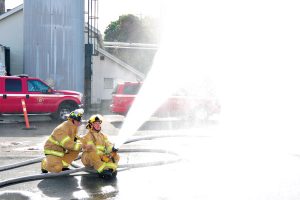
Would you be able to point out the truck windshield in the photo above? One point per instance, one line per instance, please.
(131, 88)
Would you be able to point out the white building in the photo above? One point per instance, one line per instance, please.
(11, 35)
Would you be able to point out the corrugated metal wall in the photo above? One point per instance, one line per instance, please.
(54, 42)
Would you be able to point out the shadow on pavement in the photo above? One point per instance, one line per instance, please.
(53, 187)
(18, 195)
(99, 188)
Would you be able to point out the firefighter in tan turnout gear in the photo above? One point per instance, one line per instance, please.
(98, 152)
(62, 146)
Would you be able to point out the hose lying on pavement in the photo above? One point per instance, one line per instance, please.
(20, 164)
(139, 165)
(80, 168)
(150, 137)
(39, 176)
(39, 159)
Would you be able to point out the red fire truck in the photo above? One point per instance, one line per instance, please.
(179, 104)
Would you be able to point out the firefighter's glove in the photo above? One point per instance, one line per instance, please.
(105, 158)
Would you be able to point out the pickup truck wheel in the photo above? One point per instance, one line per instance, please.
(63, 111)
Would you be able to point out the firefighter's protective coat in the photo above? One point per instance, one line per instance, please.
(97, 152)
(62, 147)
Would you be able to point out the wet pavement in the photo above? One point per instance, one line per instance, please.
(152, 182)
(19, 144)
(213, 165)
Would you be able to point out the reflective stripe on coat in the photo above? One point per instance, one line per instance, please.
(62, 138)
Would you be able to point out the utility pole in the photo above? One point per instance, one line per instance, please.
(2, 7)
(88, 62)
(88, 75)
(92, 23)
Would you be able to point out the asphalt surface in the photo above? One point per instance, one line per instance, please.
(214, 164)
(20, 144)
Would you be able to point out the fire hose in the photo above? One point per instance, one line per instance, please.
(79, 168)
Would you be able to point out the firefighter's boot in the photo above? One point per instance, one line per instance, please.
(107, 174)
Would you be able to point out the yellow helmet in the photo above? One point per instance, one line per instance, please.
(94, 118)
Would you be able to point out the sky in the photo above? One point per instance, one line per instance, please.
(110, 10)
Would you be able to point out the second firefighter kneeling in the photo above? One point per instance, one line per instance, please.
(98, 151)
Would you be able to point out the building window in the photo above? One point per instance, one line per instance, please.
(108, 83)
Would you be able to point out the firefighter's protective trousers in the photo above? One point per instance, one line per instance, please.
(99, 155)
(61, 148)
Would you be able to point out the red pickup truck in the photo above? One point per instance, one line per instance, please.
(179, 104)
(39, 97)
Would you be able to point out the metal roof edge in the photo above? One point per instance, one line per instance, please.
(120, 62)
(11, 12)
